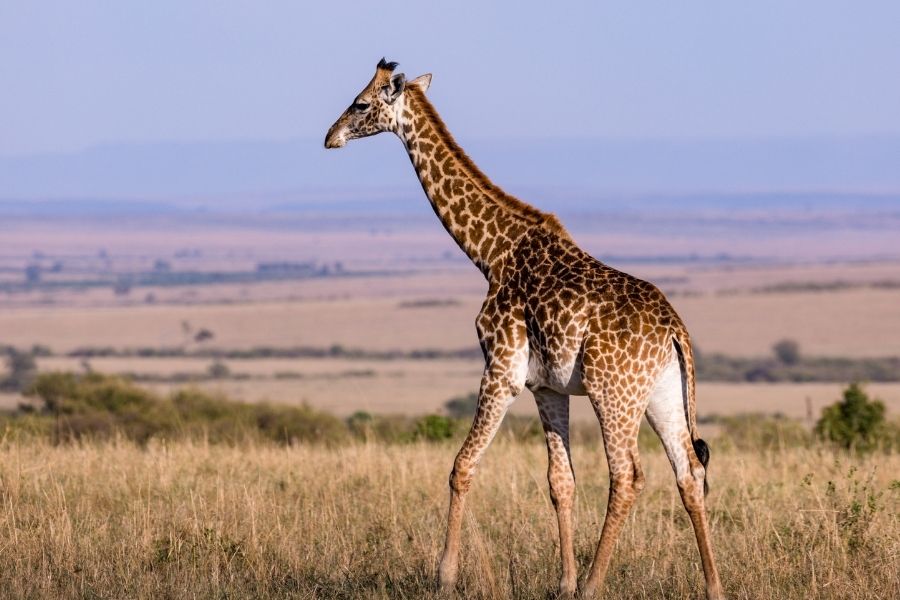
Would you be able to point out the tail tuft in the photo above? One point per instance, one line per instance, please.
(701, 449)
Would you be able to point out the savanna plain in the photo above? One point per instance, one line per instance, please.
(269, 407)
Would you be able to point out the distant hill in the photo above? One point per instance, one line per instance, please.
(571, 171)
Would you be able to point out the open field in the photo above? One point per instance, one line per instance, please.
(383, 315)
(192, 520)
(853, 322)
(715, 265)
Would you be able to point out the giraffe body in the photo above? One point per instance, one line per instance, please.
(555, 320)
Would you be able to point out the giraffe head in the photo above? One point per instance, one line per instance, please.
(376, 108)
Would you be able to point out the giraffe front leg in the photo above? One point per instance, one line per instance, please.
(493, 400)
(554, 411)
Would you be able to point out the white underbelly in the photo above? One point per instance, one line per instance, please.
(561, 378)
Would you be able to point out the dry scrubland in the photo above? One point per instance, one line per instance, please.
(190, 520)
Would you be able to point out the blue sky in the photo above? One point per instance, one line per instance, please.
(79, 74)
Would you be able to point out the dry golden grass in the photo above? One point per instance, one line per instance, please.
(190, 520)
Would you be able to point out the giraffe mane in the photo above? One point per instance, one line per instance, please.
(516, 207)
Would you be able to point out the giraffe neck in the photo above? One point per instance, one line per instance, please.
(484, 221)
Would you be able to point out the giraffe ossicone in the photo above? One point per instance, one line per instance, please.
(556, 321)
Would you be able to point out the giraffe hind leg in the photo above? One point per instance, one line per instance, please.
(665, 412)
(619, 422)
(554, 411)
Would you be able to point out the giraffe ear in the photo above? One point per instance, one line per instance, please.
(392, 90)
(422, 82)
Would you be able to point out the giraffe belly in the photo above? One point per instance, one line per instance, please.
(563, 378)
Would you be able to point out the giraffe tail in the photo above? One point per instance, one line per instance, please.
(689, 394)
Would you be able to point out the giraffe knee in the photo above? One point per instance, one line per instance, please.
(460, 477)
(562, 487)
(559, 470)
(691, 486)
(638, 480)
(627, 483)
(692, 475)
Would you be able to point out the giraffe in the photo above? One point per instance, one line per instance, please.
(557, 321)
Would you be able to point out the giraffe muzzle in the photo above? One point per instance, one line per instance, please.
(335, 138)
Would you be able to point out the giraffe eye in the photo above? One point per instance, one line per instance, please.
(360, 106)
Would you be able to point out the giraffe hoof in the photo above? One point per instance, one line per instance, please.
(447, 579)
(588, 592)
(567, 588)
(565, 594)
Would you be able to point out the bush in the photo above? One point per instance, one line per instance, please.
(291, 424)
(93, 405)
(218, 370)
(856, 422)
(22, 370)
(435, 428)
(787, 351)
(96, 405)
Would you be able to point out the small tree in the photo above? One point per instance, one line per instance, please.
(463, 406)
(787, 351)
(218, 370)
(122, 286)
(203, 335)
(22, 371)
(856, 422)
(33, 274)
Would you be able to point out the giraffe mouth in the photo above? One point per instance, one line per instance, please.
(336, 137)
(332, 142)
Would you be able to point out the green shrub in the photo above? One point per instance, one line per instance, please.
(856, 422)
(291, 424)
(72, 406)
(435, 428)
(95, 405)
(359, 421)
(393, 429)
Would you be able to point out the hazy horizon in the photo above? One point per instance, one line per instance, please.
(865, 165)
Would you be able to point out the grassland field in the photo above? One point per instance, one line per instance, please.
(190, 520)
